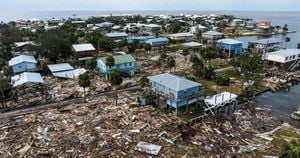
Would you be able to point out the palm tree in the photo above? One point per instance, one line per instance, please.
(84, 81)
(110, 61)
(290, 149)
(116, 80)
(171, 63)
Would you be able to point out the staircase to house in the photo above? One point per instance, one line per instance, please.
(294, 65)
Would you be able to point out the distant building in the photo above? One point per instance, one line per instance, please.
(153, 28)
(117, 36)
(124, 63)
(287, 59)
(23, 63)
(265, 45)
(264, 25)
(140, 39)
(131, 28)
(84, 51)
(105, 25)
(158, 42)
(21, 46)
(192, 45)
(230, 46)
(212, 35)
(200, 28)
(237, 22)
(182, 36)
(177, 91)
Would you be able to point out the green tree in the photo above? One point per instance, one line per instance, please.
(185, 53)
(195, 59)
(54, 45)
(163, 56)
(84, 81)
(110, 61)
(222, 80)
(171, 63)
(209, 53)
(290, 149)
(106, 44)
(144, 81)
(90, 64)
(209, 73)
(2, 64)
(147, 47)
(8, 70)
(249, 63)
(116, 80)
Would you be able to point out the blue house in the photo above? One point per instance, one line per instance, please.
(177, 91)
(124, 63)
(230, 46)
(23, 63)
(140, 39)
(157, 42)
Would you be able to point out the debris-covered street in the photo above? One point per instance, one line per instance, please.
(99, 128)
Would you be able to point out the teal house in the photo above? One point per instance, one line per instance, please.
(177, 91)
(124, 63)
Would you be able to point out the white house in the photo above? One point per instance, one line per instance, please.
(288, 59)
(182, 36)
(212, 35)
(26, 77)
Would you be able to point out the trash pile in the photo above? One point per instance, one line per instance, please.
(99, 128)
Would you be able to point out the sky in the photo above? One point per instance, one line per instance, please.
(95, 5)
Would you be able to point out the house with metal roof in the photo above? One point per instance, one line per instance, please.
(287, 59)
(230, 46)
(264, 45)
(192, 45)
(65, 70)
(23, 63)
(158, 42)
(117, 36)
(198, 28)
(140, 39)
(82, 51)
(124, 63)
(212, 35)
(182, 36)
(153, 28)
(26, 77)
(177, 91)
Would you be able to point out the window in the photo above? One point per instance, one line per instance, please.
(294, 56)
(287, 58)
(130, 64)
(298, 55)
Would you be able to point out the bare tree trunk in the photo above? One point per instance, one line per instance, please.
(116, 96)
(84, 94)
